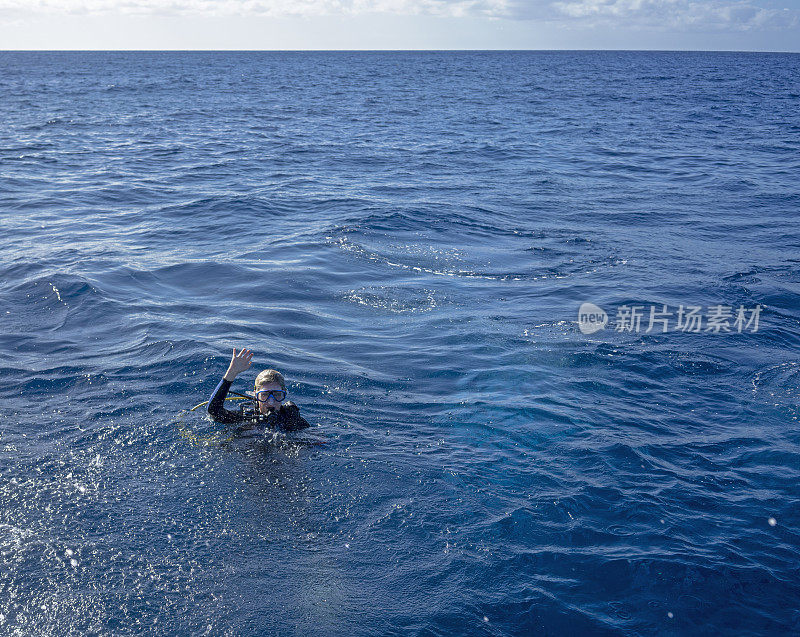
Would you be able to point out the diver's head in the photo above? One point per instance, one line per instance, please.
(270, 390)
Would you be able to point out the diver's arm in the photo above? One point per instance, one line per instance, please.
(215, 405)
(239, 363)
(291, 418)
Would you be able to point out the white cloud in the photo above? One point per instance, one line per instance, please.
(676, 14)
(450, 8)
(730, 15)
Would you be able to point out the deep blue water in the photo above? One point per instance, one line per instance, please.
(408, 237)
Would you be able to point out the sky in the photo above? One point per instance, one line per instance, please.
(732, 25)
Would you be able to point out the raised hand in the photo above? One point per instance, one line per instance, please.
(239, 362)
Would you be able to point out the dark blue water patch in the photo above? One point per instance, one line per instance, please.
(408, 237)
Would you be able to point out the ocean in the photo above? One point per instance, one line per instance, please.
(408, 237)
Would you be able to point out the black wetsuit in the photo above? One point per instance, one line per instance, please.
(287, 418)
